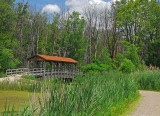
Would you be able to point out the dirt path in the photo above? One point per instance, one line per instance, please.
(11, 78)
(149, 104)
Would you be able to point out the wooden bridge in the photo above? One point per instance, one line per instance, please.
(45, 73)
(48, 67)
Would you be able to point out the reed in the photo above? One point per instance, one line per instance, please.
(147, 80)
(94, 94)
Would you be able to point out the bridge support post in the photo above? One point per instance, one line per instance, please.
(44, 66)
(28, 66)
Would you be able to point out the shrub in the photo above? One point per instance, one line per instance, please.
(127, 66)
(31, 77)
(103, 55)
(2, 74)
(97, 67)
(132, 55)
(89, 67)
(106, 67)
(119, 59)
(7, 59)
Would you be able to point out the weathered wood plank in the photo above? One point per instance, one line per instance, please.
(56, 73)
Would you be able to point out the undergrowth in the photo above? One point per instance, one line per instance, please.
(2, 74)
(94, 94)
(147, 80)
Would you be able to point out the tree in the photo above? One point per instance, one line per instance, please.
(103, 56)
(73, 42)
(153, 56)
(7, 59)
(127, 66)
(138, 23)
(55, 35)
(7, 18)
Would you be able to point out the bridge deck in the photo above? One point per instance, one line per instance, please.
(45, 73)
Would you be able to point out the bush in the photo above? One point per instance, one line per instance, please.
(127, 66)
(7, 59)
(103, 55)
(97, 67)
(132, 55)
(31, 77)
(119, 59)
(2, 74)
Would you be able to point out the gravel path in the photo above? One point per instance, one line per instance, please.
(11, 78)
(149, 104)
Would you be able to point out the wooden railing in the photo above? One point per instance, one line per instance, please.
(45, 73)
(17, 71)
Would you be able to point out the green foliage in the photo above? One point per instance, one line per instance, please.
(125, 43)
(103, 56)
(153, 57)
(91, 66)
(138, 23)
(73, 40)
(98, 94)
(119, 59)
(147, 80)
(127, 66)
(103, 62)
(13, 101)
(132, 55)
(7, 59)
(31, 77)
(97, 67)
(143, 66)
(2, 74)
(22, 85)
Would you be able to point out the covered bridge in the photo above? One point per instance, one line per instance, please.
(50, 66)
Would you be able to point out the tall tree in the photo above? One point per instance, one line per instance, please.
(73, 42)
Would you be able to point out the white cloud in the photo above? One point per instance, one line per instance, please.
(79, 5)
(51, 8)
(96, 2)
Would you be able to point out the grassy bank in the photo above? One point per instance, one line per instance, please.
(18, 99)
(147, 80)
(107, 93)
(22, 85)
(93, 94)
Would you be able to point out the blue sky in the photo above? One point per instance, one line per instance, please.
(41, 3)
(44, 2)
(57, 5)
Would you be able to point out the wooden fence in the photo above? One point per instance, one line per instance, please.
(45, 73)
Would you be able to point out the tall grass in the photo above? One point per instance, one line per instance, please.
(105, 93)
(21, 85)
(28, 83)
(94, 94)
(148, 80)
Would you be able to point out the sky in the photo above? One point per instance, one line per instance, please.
(56, 6)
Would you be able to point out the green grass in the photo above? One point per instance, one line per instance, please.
(94, 94)
(17, 98)
(105, 93)
(130, 106)
(28, 83)
(2, 74)
(31, 77)
(22, 85)
(147, 80)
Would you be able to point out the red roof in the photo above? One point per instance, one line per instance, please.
(54, 58)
